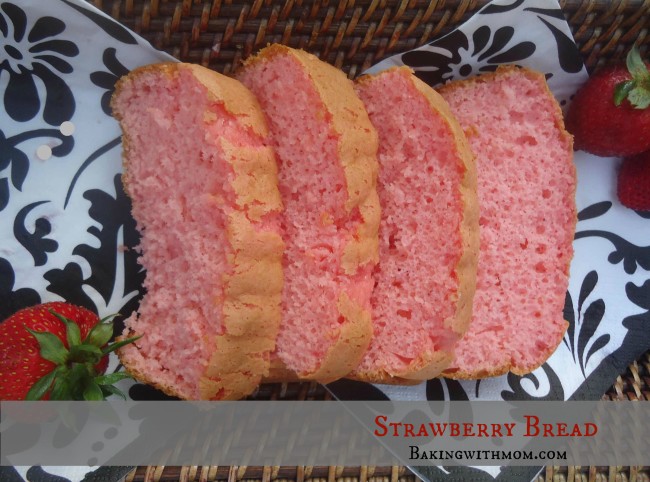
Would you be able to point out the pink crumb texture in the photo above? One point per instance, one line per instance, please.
(526, 189)
(315, 224)
(419, 240)
(180, 185)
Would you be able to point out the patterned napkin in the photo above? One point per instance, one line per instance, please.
(607, 301)
(66, 231)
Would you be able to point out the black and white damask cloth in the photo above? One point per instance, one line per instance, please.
(608, 298)
(66, 232)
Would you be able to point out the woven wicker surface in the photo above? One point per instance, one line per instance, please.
(634, 384)
(353, 35)
(363, 474)
(350, 34)
(266, 474)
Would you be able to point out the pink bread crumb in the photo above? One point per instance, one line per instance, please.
(180, 178)
(423, 163)
(526, 189)
(317, 223)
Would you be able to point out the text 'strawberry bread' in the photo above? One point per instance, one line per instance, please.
(326, 149)
(428, 237)
(526, 192)
(203, 183)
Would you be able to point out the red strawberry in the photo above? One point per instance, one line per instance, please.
(57, 351)
(609, 114)
(634, 182)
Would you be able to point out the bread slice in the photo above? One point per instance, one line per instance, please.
(428, 244)
(203, 183)
(526, 191)
(326, 148)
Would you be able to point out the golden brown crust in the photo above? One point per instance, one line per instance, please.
(255, 181)
(139, 375)
(429, 365)
(538, 77)
(358, 143)
(506, 367)
(351, 344)
(425, 367)
(235, 98)
(252, 290)
(279, 373)
(469, 228)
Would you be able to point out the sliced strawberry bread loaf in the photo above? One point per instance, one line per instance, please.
(326, 149)
(526, 192)
(428, 243)
(203, 183)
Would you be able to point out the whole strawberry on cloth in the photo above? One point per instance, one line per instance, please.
(609, 115)
(634, 182)
(57, 351)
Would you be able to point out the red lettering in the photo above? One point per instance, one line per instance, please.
(593, 431)
(548, 429)
(395, 426)
(496, 430)
(482, 430)
(438, 429)
(509, 427)
(378, 421)
(576, 432)
(423, 431)
(532, 426)
(468, 429)
(455, 429)
(408, 430)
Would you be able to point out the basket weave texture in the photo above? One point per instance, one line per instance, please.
(363, 474)
(353, 35)
(350, 34)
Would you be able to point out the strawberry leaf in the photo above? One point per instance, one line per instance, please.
(99, 334)
(111, 390)
(111, 378)
(120, 344)
(41, 387)
(61, 389)
(84, 353)
(71, 329)
(69, 418)
(52, 348)
(636, 90)
(622, 90)
(108, 318)
(639, 97)
(92, 392)
(636, 66)
(80, 377)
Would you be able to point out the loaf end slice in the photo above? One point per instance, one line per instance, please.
(203, 186)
